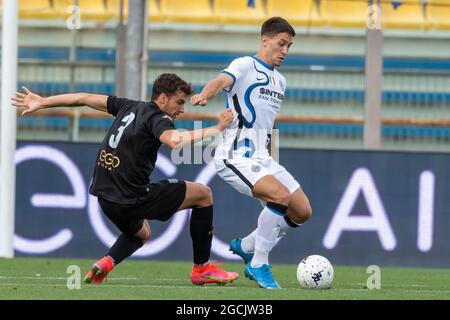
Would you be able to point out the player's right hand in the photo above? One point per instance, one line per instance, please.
(29, 100)
(226, 117)
(199, 100)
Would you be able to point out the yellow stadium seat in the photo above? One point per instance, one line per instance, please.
(438, 14)
(88, 9)
(196, 11)
(304, 12)
(153, 11)
(93, 10)
(35, 9)
(406, 16)
(238, 12)
(344, 13)
(61, 8)
(113, 9)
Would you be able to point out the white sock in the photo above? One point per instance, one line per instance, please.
(248, 243)
(285, 227)
(266, 236)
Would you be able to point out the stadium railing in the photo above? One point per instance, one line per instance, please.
(286, 124)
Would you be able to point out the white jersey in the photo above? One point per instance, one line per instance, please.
(255, 98)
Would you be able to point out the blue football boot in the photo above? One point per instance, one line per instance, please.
(236, 248)
(262, 275)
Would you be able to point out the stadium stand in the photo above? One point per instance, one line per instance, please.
(407, 15)
(301, 13)
(344, 13)
(93, 9)
(35, 9)
(438, 14)
(237, 12)
(325, 96)
(61, 9)
(154, 12)
(113, 9)
(199, 11)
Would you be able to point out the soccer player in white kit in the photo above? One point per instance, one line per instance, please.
(255, 91)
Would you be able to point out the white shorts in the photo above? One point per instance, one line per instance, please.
(243, 173)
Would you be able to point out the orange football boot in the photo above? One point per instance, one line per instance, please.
(99, 271)
(211, 273)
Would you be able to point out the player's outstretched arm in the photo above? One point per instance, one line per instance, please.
(33, 102)
(175, 138)
(211, 90)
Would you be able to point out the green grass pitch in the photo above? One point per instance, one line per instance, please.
(37, 278)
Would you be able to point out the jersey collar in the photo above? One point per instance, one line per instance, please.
(263, 63)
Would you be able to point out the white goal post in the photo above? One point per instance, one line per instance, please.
(8, 127)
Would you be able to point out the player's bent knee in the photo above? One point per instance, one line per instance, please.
(207, 196)
(144, 234)
(204, 196)
(307, 213)
(302, 215)
(146, 238)
(281, 196)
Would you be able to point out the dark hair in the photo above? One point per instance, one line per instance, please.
(276, 25)
(170, 84)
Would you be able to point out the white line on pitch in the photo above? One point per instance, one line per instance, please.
(59, 278)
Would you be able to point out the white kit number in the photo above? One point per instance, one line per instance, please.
(114, 140)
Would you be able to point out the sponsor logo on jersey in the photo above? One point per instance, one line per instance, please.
(108, 161)
(271, 93)
(256, 168)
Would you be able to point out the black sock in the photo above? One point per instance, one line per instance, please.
(124, 247)
(291, 223)
(201, 228)
(277, 207)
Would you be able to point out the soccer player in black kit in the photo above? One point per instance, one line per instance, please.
(124, 163)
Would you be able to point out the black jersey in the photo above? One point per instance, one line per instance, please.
(128, 152)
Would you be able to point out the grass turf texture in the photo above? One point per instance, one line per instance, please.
(33, 278)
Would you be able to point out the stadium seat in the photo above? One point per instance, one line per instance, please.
(35, 9)
(61, 8)
(113, 9)
(93, 10)
(438, 14)
(153, 11)
(407, 15)
(194, 11)
(344, 13)
(303, 12)
(238, 12)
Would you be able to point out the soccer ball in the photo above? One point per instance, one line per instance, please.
(315, 272)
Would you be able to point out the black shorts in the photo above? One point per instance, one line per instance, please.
(160, 203)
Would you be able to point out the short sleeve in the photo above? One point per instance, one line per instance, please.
(237, 68)
(160, 123)
(114, 104)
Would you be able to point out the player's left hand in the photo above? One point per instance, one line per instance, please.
(199, 100)
(31, 101)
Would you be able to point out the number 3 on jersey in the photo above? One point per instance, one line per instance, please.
(114, 140)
